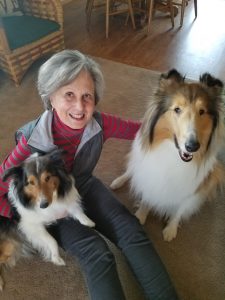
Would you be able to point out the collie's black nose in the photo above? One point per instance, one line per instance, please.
(192, 145)
(44, 204)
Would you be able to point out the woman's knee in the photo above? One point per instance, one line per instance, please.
(129, 231)
(93, 252)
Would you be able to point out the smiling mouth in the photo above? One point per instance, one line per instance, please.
(77, 117)
(184, 155)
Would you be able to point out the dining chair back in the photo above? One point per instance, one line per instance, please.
(112, 8)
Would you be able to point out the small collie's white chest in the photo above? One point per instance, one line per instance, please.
(161, 179)
(50, 214)
(45, 216)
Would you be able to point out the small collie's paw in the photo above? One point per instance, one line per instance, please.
(115, 184)
(57, 260)
(84, 220)
(141, 217)
(89, 223)
(169, 233)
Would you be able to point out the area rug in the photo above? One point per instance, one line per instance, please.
(195, 260)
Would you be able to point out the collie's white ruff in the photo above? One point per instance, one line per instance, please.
(163, 182)
(33, 220)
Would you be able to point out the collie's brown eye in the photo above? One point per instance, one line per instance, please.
(201, 112)
(31, 182)
(177, 110)
(47, 178)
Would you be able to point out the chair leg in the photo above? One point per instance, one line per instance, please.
(88, 10)
(150, 12)
(183, 4)
(107, 18)
(196, 8)
(131, 12)
(171, 12)
(16, 74)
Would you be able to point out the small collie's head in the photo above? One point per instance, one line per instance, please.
(40, 179)
(190, 114)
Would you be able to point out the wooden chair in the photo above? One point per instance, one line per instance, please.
(148, 7)
(151, 8)
(112, 8)
(183, 4)
(24, 38)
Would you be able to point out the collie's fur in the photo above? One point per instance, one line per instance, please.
(10, 250)
(12, 246)
(173, 164)
(42, 191)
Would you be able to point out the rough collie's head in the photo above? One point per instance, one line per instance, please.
(40, 179)
(188, 113)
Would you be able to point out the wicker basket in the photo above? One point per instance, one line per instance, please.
(16, 62)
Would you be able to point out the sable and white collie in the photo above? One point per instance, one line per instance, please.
(42, 191)
(173, 164)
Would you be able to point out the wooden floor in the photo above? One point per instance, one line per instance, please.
(199, 46)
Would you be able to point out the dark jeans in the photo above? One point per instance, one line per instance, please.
(115, 222)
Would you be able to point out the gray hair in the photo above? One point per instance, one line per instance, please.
(62, 68)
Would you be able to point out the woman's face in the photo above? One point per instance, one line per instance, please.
(75, 102)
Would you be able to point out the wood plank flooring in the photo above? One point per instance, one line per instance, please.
(199, 46)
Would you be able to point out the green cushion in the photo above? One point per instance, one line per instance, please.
(23, 30)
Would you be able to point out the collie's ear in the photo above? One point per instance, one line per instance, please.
(213, 84)
(15, 172)
(173, 74)
(171, 80)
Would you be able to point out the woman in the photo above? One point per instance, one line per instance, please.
(70, 85)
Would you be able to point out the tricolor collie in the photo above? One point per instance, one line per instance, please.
(173, 165)
(42, 191)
